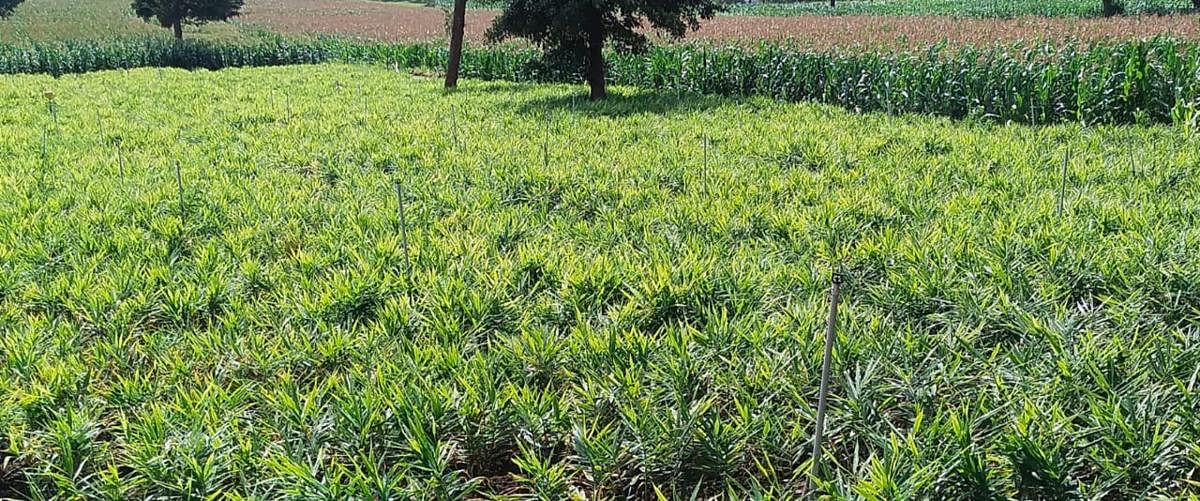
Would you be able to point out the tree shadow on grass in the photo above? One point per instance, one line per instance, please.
(624, 102)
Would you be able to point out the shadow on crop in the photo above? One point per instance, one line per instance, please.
(624, 102)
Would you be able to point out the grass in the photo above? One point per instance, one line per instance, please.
(605, 315)
(965, 8)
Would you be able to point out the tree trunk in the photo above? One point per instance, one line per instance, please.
(833, 3)
(1109, 8)
(178, 27)
(595, 59)
(458, 24)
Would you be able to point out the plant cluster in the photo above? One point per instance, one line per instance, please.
(618, 299)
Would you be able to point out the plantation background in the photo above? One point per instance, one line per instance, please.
(813, 23)
(1129, 70)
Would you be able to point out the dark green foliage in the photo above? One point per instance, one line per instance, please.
(59, 58)
(574, 32)
(175, 13)
(1127, 82)
(7, 6)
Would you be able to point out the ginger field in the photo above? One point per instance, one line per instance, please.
(210, 289)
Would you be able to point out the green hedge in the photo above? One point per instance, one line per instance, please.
(1128, 82)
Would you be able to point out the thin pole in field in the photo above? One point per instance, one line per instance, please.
(182, 203)
(120, 158)
(454, 128)
(830, 329)
(45, 159)
(704, 166)
(362, 97)
(403, 228)
(679, 164)
(1062, 188)
(1132, 161)
(546, 144)
(53, 108)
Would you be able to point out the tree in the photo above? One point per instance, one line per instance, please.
(175, 13)
(458, 24)
(574, 32)
(7, 6)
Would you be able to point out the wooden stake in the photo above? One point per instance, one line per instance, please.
(120, 158)
(45, 159)
(363, 98)
(704, 166)
(54, 112)
(182, 203)
(830, 330)
(1062, 189)
(1132, 162)
(546, 145)
(403, 229)
(454, 129)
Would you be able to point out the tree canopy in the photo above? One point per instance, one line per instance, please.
(175, 13)
(7, 6)
(574, 32)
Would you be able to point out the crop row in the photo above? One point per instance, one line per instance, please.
(1128, 82)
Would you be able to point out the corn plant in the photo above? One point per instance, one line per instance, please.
(1108, 82)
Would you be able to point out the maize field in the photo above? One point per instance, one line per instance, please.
(1132, 82)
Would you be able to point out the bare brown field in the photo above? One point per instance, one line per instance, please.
(360, 18)
(847, 31)
(396, 22)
